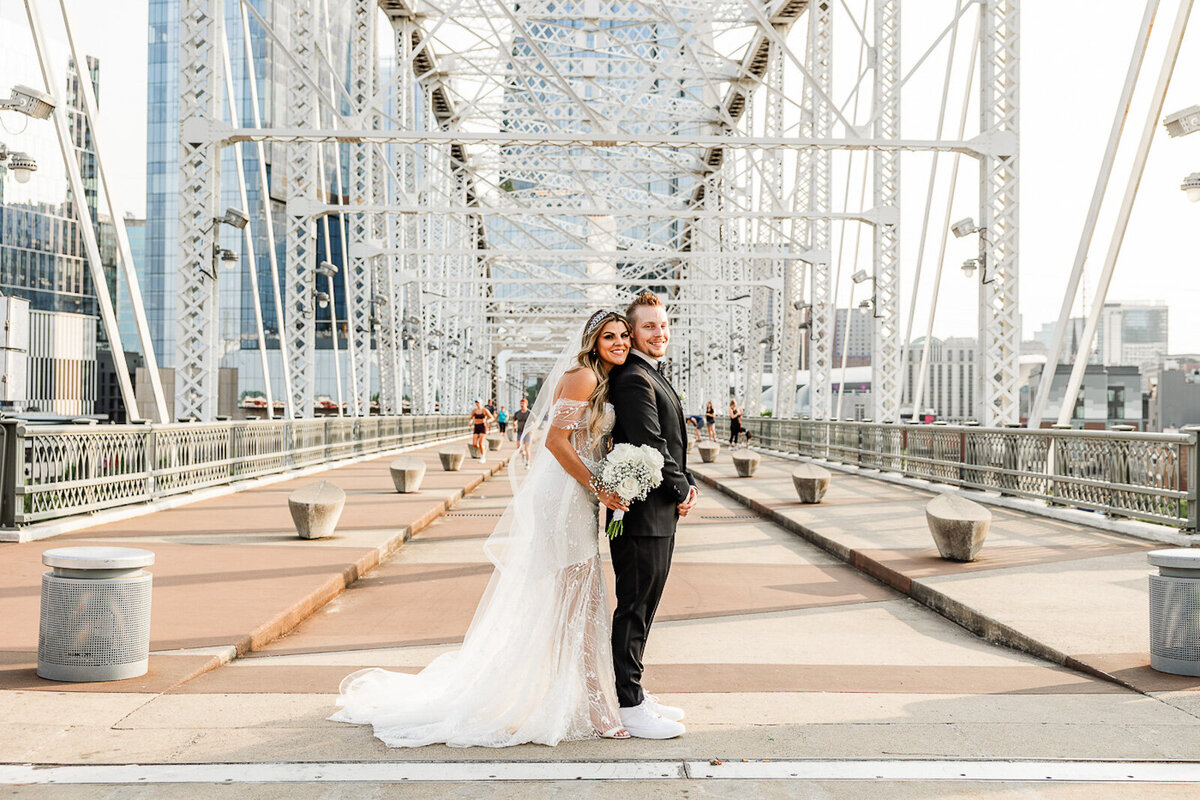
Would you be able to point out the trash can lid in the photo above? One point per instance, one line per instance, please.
(1176, 558)
(97, 558)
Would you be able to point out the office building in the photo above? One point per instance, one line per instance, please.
(1133, 334)
(854, 332)
(1108, 395)
(949, 392)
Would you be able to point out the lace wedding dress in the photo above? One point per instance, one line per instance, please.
(536, 663)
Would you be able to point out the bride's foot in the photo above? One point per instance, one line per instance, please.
(615, 733)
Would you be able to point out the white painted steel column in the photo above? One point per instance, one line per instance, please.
(885, 361)
(199, 186)
(300, 323)
(999, 337)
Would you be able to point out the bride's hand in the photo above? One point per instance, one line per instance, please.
(611, 500)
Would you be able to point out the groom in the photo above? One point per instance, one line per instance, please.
(648, 412)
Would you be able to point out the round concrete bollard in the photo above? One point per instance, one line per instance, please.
(691, 444)
(708, 451)
(811, 482)
(494, 441)
(316, 509)
(473, 451)
(95, 614)
(958, 525)
(407, 474)
(511, 434)
(745, 462)
(452, 457)
(1174, 609)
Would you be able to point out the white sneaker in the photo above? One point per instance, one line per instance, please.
(644, 723)
(666, 712)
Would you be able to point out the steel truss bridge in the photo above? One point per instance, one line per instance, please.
(513, 166)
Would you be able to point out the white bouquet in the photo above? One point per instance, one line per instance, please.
(630, 473)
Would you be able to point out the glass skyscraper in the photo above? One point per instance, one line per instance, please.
(237, 328)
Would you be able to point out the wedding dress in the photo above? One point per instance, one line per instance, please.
(536, 663)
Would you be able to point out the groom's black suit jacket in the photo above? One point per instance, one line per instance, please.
(648, 412)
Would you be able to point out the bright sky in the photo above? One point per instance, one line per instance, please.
(1074, 57)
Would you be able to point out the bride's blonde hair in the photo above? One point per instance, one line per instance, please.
(589, 358)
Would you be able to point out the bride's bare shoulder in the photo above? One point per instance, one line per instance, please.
(578, 384)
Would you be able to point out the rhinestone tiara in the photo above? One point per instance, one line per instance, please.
(598, 319)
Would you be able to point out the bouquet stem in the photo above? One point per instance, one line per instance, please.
(617, 526)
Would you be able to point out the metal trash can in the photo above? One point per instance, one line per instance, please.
(95, 618)
(1175, 611)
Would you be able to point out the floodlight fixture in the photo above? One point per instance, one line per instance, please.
(22, 165)
(969, 266)
(322, 299)
(860, 276)
(233, 217)
(327, 269)
(964, 227)
(30, 102)
(865, 303)
(228, 256)
(1190, 185)
(1181, 123)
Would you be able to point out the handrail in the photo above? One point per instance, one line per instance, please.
(1144, 476)
(54, 471)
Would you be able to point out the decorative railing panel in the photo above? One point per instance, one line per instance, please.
(49, 472)
(1144, 476)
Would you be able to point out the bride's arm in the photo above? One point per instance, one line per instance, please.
(577, 386)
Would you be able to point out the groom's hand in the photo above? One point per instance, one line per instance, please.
(689, 503)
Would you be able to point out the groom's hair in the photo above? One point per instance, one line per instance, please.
(645, 299)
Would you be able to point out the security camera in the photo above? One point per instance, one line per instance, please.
(964, 227)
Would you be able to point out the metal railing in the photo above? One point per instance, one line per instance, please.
(1143, 476)
(54, 471)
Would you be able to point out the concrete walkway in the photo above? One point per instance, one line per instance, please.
(801, 677)
(1071, 594)
(230, 573)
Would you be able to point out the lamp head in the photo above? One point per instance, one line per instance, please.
(327, 269)
(964, 227)
(865, 303)
(1190, 185)
(859, 276)
(229, 256)
(29, 102)
(968, 266)
(234, 217)
(22, 165)
(322, 299)
(1181, 123)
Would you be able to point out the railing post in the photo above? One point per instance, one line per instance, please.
(151, 465)
(1192, 465)
(12, 469)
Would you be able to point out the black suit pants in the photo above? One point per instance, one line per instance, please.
(641, 564)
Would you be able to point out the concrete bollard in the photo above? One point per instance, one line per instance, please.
(745, 462)
(316, 509)
(958, 525)
(811, 482)
(494, 440)
(708, 451)
(452, 457)
(473, 451)
(407, 474)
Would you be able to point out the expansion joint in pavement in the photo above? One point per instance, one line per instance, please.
(961, 614)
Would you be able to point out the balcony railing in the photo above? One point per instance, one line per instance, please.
(1143, 476)
(50, 472)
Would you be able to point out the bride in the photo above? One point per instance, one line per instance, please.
(536, 663)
